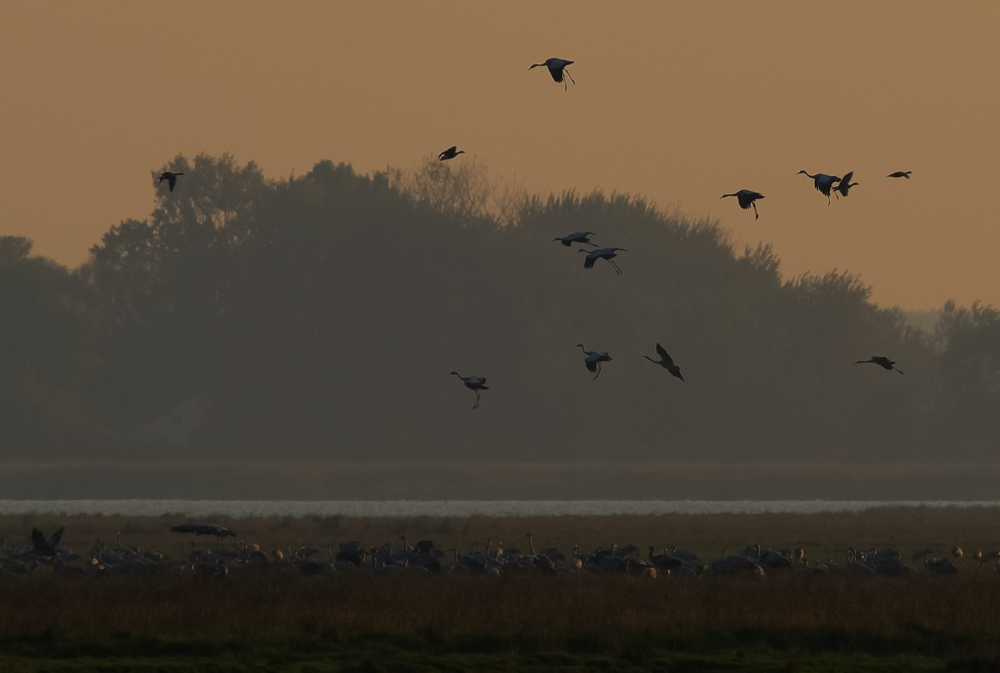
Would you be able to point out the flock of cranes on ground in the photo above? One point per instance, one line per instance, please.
(826, 184)
(426, 558)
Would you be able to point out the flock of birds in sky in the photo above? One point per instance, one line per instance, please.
(828, 185)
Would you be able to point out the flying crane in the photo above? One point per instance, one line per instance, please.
(473, 383)
(746, 198)
(594, 360)
(557, 68)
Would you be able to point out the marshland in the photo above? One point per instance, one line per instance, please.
(286, 613)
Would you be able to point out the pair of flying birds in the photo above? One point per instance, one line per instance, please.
(583, 237)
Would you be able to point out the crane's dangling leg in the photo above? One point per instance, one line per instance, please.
(476, 405)
(598, 372)
(570, 76)
(756, 215)
(617, 270)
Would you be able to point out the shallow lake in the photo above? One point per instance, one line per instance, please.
(457, 508)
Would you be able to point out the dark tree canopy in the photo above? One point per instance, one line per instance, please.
(320, 317)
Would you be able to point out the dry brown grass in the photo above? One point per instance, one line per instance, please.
(956, 618)
(276, 604)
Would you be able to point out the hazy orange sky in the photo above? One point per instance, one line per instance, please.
(681, 102)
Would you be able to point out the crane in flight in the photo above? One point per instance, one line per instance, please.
(557, 68)
(594, 360)
(665, 361)
(602, 253)
(746, 198)
(581, 237)
(171, 179)
(473, 383)
(880, 360)
(900, 174)
(823, 183)
(203, 529)
(450, 153)
(845, 185)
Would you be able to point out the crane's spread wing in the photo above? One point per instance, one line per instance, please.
(55, 537)
(38, 539)
(663, 354)
(846, 180)
(588, 262)
(592, 363)
(172, 180)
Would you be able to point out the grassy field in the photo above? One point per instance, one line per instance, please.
(280, 621)
(822, 536)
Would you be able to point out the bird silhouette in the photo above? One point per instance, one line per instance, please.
(845, 185)
(576, 237)
(746, 198)
(900, 174)
(557, 68)
(450, 153)
(594, 360)
(203, 529)
(473, 383)
(665, 361)
(881, 361)
(43, 546)
(602, 253)
(823, 183)
(171, 178)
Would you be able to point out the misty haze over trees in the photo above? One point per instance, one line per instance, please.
(320, 316)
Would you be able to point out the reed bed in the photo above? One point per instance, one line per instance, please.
(284, 603)
(410, 621)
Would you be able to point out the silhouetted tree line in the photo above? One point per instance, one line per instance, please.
(319, 316)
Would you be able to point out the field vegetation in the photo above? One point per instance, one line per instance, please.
(278, 619)
(822, 536)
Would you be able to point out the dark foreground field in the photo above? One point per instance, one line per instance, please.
(278, 620)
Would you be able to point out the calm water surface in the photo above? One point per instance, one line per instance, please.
(456, 508)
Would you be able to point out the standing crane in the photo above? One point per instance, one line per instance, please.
(557, 68)
(823, 183)
(594, 360)
(581, 237)
(845, 185)
(666, 362)
(450, 153)
(171, 179)
(882, 361)
(602, 253)
(746, 198)
(473, 383)
(900, 174)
